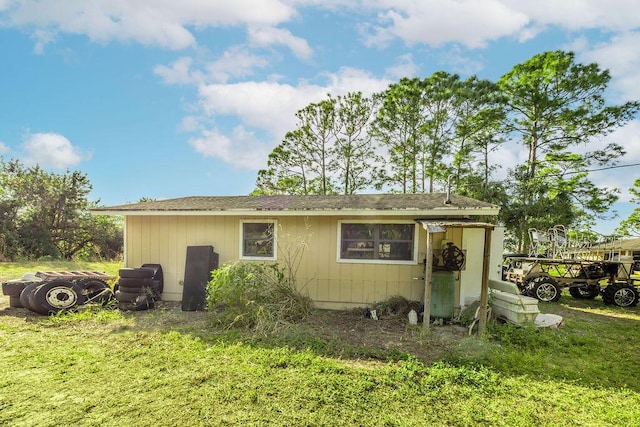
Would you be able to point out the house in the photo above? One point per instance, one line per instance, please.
(358, 249)
(615, 248)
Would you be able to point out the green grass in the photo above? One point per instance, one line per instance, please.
(167, 367)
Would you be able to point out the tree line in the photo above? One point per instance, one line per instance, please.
(45, 215)
(422, 134)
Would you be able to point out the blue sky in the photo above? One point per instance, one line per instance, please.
(171, 98)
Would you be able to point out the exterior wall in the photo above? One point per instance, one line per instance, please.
(330, 283)
(497, 251)
(471, 276)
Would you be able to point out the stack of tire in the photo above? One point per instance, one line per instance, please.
(139, 288)
(51, 297)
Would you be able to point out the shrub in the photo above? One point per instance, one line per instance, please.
(257, 296)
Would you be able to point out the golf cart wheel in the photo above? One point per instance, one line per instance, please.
(546, 289)
(56, 296)
(583, 292)
(625, 296)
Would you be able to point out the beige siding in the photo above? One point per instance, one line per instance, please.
(471, 276)
(331, 284)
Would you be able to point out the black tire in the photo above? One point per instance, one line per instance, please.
(13, 288)
(584, 292)
(625, 296)
(25, 295)
(546, 289)
(133, 283)
(150, 289)
(158, 276)
(138, 290)
(126, 296)
(136, 273)
(143, 302)
(139, 303)
(33, 304)
(125, 306)
(14, 302)
(56, 296)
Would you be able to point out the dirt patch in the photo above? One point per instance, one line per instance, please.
(350, 329)
(391, 332)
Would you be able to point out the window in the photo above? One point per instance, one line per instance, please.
(377, 241)
(258, 240)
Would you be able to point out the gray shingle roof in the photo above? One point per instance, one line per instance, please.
(282, 203)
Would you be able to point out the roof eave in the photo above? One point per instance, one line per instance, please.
(436, 212)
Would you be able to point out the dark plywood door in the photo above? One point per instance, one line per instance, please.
(201, 261)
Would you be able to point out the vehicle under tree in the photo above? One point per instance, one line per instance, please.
(554, 263)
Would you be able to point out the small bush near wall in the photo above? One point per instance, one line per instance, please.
(257, 296)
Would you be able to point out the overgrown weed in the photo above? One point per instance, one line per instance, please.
(256, 296)
(89, 312)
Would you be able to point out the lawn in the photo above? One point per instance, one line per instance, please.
(165, 367)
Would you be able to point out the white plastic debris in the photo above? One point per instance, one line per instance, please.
(413, 317)
(29, 277)
(547, 320)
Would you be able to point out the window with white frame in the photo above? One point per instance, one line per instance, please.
(258, 240)
(377, 241)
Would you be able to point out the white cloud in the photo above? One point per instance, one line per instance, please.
(436, 22)
(264, 105)
(460, 62)
(621, 56)
(404, 67)
(268, 36)
(271, 106)
(179, 72)
(629, 138)
(190, 124)
(3, 148)
(475, 23)
(614, 15)
(241, 148)
(42, 38)
(235, 62)
(268, 108)
(164, 23)
(50, 150)
(349, 79)
(172, 25)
